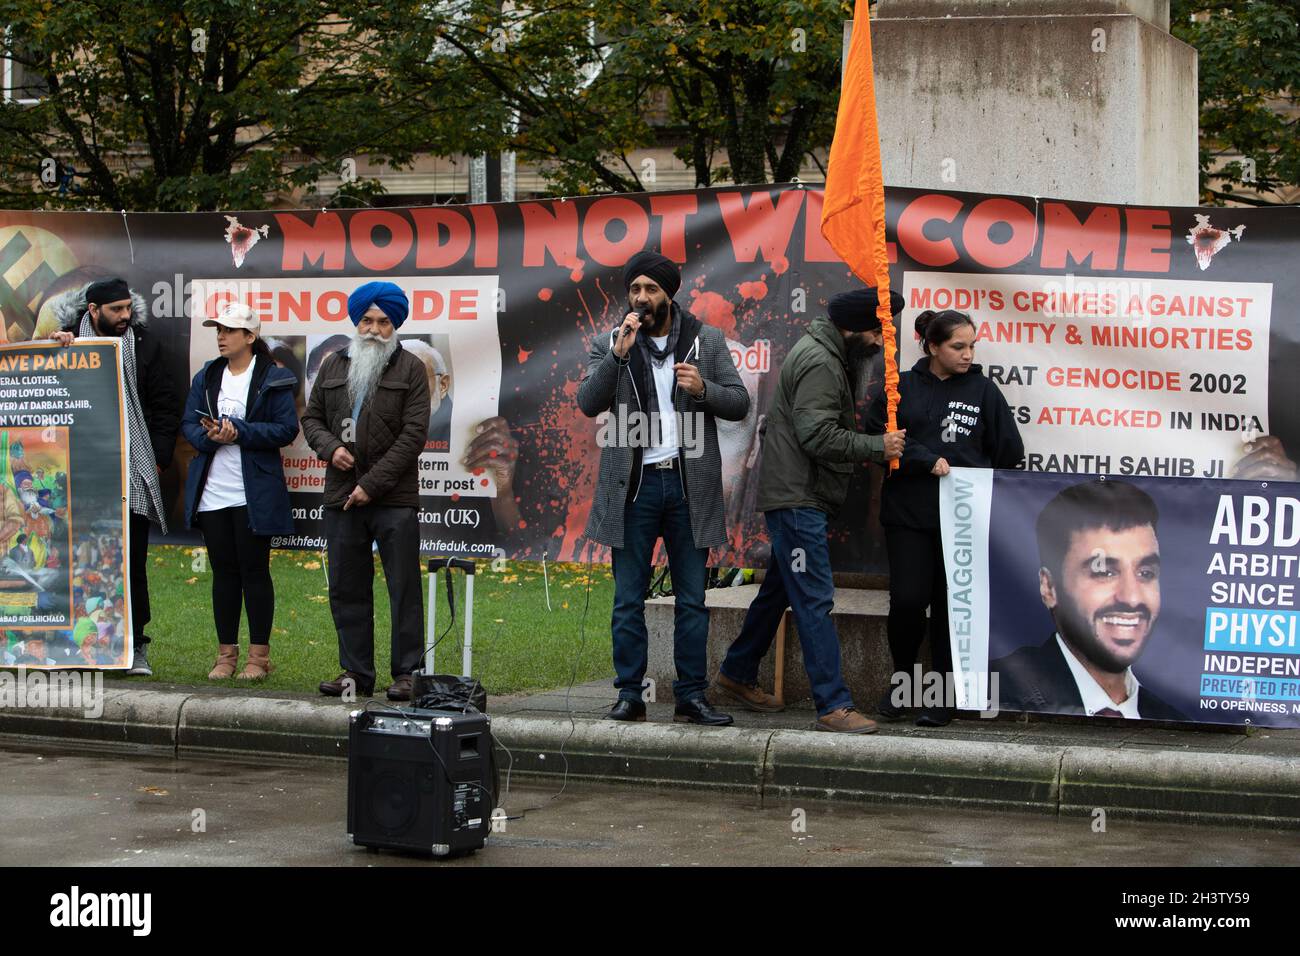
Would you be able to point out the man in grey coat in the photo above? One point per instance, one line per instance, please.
(663, 378)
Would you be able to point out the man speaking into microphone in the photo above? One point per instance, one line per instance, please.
(665, 378)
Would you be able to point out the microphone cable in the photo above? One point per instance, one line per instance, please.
(582, 637)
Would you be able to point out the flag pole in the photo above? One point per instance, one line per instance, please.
(853, 209)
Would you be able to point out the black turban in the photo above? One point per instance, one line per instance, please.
(107, 290)
(856, 311)
(660, 268)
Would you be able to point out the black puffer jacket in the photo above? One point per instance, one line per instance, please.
(963, 419)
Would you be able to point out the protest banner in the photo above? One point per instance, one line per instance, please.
(1129, 340)
(64, 584)
(1152, 598)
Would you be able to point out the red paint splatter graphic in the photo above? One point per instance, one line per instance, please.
(567, 445)
(715, 310)
(576, 265)
(544, 294)
(753, 290)
(523, 355)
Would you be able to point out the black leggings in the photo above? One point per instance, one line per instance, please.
(241, 574)
(916, 581)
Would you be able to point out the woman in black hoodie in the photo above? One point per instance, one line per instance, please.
(954, 417)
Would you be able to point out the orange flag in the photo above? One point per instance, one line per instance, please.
(853, 210)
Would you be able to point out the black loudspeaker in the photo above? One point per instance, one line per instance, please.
(420, 780)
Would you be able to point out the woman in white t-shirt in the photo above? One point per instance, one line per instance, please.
(239, 414)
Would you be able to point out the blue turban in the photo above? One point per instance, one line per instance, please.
(386, 295)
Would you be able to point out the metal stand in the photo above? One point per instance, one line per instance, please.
(778, 689)
(431, 635)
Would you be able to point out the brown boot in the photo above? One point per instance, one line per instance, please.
(749, 695)
(227, 661)
(846, 720)
(258, 664)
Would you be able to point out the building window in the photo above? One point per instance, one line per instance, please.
(22, 83)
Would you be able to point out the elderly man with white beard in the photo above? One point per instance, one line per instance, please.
(367, 417)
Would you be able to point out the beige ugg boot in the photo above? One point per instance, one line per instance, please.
(227, 661)
(258, 664)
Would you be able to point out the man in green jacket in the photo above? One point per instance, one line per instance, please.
(810, 446)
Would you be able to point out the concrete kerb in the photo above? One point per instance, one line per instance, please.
(211, 724)
(1222, 789)
(641, 753)
(804, 764)
(772, 765)
(130, 716)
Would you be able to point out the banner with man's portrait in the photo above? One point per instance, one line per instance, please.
(1169, 599)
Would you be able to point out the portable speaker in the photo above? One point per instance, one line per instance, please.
(420, 780)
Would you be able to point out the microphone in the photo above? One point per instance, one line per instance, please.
(643, 314)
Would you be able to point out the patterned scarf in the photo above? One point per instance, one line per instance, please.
(653, 354)
(146, 493)
(656, 357)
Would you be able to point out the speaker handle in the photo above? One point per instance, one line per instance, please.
(430, 637)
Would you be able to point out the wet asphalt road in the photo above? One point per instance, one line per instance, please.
(80, 807)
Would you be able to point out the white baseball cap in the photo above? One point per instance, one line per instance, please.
(236, 315)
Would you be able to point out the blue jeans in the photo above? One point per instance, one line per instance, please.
(660, 510)
(798, 577)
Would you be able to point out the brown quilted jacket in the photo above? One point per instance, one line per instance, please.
(388, 436)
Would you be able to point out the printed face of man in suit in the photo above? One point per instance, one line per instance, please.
(439, 384)
(1107, 598)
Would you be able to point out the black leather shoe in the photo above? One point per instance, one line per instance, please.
(401, 688)
(886, 708)
(699, 711)
(336, 687)
(934, 717)
(627, 710)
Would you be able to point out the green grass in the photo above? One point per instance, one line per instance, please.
(519, 645)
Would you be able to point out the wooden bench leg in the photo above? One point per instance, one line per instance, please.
(778, 689)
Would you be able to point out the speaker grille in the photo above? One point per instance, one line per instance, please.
(393, 800)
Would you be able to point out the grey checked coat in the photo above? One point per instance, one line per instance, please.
(620, 387)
